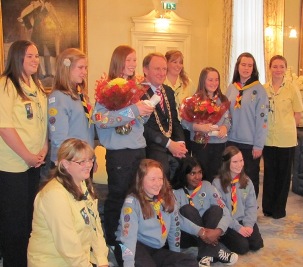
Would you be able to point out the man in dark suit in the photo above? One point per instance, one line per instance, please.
(163, 131)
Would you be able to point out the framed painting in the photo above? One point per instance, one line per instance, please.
(53, 25)
(301, 41)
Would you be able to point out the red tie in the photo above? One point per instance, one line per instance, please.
(234, 194)
(159, 93)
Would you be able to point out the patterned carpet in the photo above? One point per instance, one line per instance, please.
(283, 239)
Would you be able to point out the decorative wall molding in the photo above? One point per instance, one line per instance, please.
(147, 36)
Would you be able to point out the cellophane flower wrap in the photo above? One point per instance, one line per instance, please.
(119, 93)
(195, 109)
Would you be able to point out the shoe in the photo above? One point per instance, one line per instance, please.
(228, 258)
(279, 216)
(205, 261)
(267, 214)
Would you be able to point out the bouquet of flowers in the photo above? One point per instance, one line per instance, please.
(117, 94)
(198, 110)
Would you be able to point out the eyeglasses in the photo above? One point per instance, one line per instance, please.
(82, 163)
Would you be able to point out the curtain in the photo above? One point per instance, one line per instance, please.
(227, 31)
(247, 33)
(273, 17)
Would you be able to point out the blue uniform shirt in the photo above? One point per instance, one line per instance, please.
(133, 227)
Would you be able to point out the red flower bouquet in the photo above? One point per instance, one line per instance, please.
(198, 110)
(117, 94)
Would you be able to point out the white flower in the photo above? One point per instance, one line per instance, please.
(67, 62)
(291, 76)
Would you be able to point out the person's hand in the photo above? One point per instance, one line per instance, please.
(35, 160)
(210, 236)
(205, 128)
(245, 231)
(222, 131)
(144, 109)
(256, 153)
(178, 149)
(95, 166)
(42, 153)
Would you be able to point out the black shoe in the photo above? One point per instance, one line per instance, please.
(228, 258)
(205, 261)
(279, 216)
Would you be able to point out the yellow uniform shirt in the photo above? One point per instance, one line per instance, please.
(180, 92)
(29, 118)
(66, 232)
(282, 131)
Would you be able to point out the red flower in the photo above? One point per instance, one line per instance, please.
(195, 109)
(118, 93)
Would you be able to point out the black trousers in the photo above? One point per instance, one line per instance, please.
(240, 244)
(188, 142)
(278, 163)
(152, 257)
(169, 163)
(17, 194)
(210, 157)
(251, 165)
(121, 167)
(210, 219)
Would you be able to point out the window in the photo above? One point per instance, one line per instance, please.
(247, 34)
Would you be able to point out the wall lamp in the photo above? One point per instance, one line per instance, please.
(269, 31)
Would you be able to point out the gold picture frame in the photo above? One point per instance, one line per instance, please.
(301, 41)
(17, 22)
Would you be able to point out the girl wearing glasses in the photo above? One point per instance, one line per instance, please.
(204, 217)
(66, 225)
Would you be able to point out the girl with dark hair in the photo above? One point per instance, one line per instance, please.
(149, 219)
(45, 29)
(204, 217)
(238, 193)
(23, 146)
(215, 133)
(66, 225)
(248, 109)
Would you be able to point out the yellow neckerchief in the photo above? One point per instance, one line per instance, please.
(241, 89)
(190, 197)
(32, 94)
(234, 194)
(156, 203)
(86, 106)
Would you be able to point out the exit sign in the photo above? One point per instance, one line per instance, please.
(168, 5)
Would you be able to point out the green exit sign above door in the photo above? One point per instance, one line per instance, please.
(169, 5)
